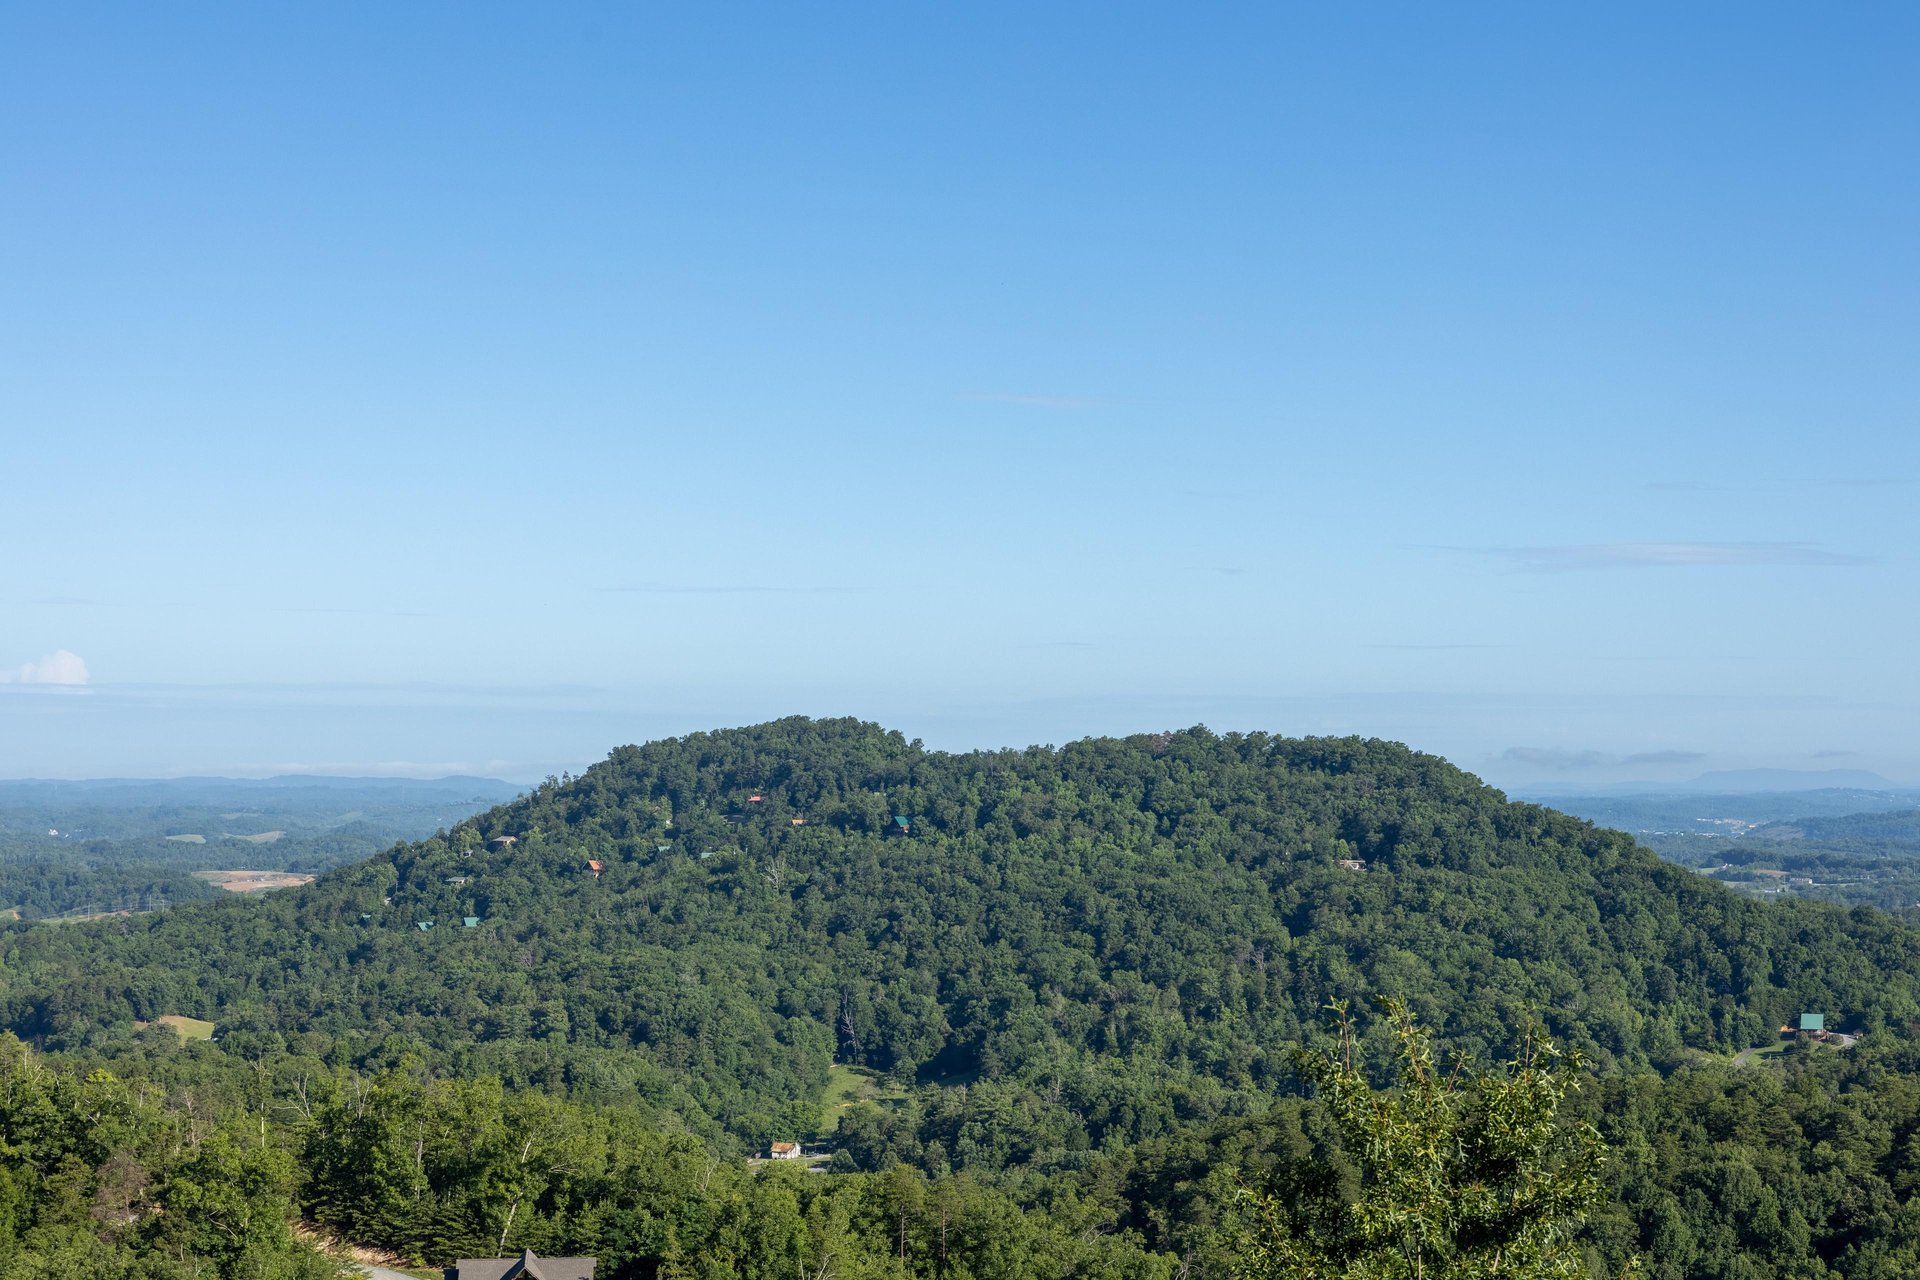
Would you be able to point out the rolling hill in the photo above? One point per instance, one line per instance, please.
(1112, 939)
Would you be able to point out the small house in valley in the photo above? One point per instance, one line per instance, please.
(501, 842)
(1354, 864)
(525, 1267)
(596, 866)
(784, 1151)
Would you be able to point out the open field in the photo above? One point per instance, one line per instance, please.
(188, 839)
(184, 1027)
(253, 881)
(265, 837)
(848, 1087)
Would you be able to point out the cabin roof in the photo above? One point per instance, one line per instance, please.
(525, 1267)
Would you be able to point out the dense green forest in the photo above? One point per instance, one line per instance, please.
(1080, 972)
(197, 1159)
(202, 1165)
(56, 888)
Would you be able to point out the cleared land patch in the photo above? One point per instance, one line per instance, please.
(184, 1027)
(265, 837)
(848, 1087)
(253, 881)
(188, 839)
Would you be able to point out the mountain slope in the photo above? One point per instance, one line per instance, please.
(1113, 938)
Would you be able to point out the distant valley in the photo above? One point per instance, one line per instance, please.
(82, 849)
(1848, 845)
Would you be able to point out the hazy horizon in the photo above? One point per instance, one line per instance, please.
(1472, 733)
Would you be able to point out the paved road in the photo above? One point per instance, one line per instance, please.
(381, 1273)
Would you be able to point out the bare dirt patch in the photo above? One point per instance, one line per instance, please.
(253, 881)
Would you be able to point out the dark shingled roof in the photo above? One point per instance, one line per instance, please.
(524, 1267)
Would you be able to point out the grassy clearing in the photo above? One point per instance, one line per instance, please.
(265, 837)
(186, 1028)
(849, 1087)
(188, 839)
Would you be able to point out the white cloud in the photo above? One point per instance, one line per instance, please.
(62, 667)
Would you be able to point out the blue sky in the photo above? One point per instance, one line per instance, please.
(474, 388)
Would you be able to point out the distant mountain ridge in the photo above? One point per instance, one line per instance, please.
(1731, 782)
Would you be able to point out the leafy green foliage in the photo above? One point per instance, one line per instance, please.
(1462, 1175)
(100, 1178)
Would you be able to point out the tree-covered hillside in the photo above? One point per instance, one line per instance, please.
(1105, 941)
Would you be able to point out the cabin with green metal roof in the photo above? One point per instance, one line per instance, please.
(1813, 1025)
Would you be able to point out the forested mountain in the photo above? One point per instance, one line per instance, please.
(1079, 971)
(1122, 932)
